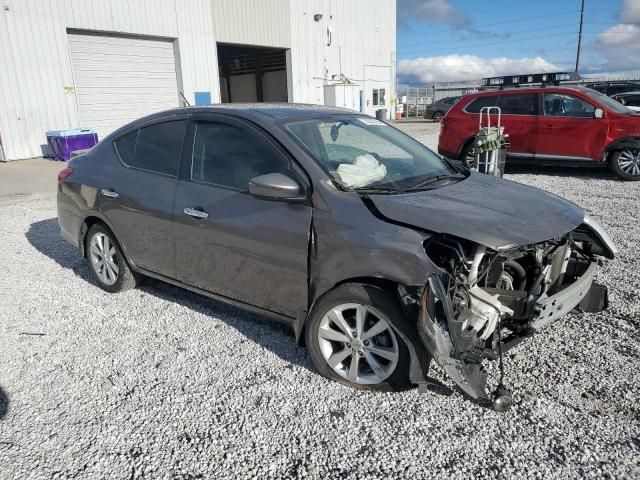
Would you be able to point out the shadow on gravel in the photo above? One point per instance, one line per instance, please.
(594, 172)
(4, 403)
(45, 236)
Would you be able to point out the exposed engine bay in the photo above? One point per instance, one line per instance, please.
(483, 301)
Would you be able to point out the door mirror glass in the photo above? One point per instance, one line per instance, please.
(599, 113)
(275, 186)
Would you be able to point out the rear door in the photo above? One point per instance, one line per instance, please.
(138, 199)
(520, 119)
(239, 246)
(568, 129)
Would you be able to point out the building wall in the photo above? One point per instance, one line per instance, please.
(37, 84)
(362, 48)
(252, 22)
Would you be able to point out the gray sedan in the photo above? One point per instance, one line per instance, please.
(437, 110)
(380, 254)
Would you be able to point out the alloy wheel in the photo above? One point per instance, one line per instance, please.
(104, 258)
(358, 343)
(437, 117)
(629, 161)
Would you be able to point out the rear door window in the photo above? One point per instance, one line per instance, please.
(158, 147)
(230, 156)
(480, 102)
(519, 104)
(565, 105)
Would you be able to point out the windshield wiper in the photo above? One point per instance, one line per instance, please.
(432, 180)
(374, 190)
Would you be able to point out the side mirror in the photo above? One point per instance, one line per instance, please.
(599, 113)
(275, 186)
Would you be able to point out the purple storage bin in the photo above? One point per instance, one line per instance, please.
(63, 142)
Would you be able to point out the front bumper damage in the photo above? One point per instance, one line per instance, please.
(493, 320)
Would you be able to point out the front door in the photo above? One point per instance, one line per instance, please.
(236, 245)
(569, 129)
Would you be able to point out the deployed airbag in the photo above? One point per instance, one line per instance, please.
(364, 171)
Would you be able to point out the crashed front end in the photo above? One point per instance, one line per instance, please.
(481, 302)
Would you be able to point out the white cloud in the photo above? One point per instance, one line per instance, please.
(630, 11)
(432, 11)
(620, 44)
(470, 67)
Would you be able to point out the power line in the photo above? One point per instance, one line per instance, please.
(523, 19)
(494, 43)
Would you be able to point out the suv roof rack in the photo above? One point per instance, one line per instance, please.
(515, 81)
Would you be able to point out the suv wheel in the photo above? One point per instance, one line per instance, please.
(437, 117)
(626, 163)
(468, 155)
(107, 264)
(351, 340)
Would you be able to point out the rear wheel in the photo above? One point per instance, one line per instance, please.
(437, 117)
(468, 155)
(626, 163)
(106, 261)
(351, 339)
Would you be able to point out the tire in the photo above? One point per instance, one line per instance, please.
(467, 155)
(325, 340)
(97, 240)
(437, 117)
(626, 163)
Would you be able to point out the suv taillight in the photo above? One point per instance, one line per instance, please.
(64, 174)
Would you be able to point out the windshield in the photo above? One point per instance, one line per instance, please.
(365, 153)
(608, 102)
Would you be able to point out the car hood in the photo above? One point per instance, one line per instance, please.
(487, 210)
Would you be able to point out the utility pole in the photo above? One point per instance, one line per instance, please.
(579, 36)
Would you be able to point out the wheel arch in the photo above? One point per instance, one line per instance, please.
(92, 219)
(619, 144)
(466, 142)
(404, 328)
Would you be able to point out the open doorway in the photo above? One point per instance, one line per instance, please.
(252, 74)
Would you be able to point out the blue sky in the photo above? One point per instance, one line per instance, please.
(467, 39)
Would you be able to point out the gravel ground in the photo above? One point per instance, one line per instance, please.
(162, 383)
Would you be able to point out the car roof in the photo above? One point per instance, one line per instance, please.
(274, 110)
(549, 88)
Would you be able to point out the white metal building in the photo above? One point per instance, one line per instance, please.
(102, 63)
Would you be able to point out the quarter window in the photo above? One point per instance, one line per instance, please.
(159, 146)
(230, 156)
(126, 147)
(564, 105)
(519, 104)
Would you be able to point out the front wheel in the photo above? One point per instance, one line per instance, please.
(626, 163)
(351, 339)
(437, 117)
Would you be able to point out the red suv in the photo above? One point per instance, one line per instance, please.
(551, 125)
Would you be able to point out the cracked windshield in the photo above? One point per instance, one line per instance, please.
(366, 154)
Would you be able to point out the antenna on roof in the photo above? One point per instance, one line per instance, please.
(184, 98)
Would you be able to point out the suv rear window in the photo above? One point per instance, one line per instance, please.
(519, 104)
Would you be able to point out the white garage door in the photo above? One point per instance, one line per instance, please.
(120, 79)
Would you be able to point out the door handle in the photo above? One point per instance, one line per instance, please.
(109, 193)
(195, 213)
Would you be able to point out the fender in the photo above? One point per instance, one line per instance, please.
(621, 143)
(84, 228)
